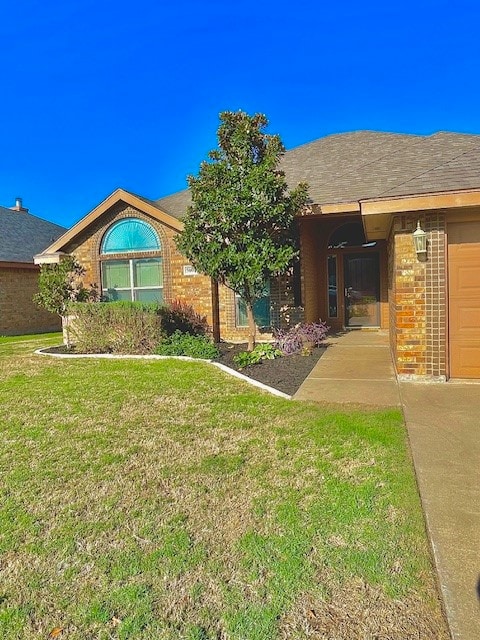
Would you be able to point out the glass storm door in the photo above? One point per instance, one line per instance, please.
(362, 289)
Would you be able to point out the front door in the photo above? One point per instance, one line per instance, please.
(362, 289)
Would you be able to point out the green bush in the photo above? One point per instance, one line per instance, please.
(115, 327)
(261, 352)
(180, 316)
(137, 328)
(185, 344)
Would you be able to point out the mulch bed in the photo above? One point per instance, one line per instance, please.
(285, 374)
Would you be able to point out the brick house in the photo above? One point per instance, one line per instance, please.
(358, 264)
(22, 235)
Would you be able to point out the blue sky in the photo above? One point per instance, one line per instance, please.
(101, 94)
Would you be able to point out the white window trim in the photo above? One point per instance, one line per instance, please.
(131, 288)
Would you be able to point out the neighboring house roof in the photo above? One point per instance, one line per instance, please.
(23, 235)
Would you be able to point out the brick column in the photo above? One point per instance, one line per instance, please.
(308, 260)
(409, 287)
(436, 296)
(418, 298)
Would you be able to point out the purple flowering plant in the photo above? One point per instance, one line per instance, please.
(301, 337)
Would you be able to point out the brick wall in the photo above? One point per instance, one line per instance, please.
(309, 255)
(391, 285)
(417, 296)
(284, 313)
(18, 313)
(194, 289)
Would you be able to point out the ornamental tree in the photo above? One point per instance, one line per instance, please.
(59, 284)
(240, 227)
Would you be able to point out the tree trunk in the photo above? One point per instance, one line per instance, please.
(66, 330)
(215, 312)
(252, 327)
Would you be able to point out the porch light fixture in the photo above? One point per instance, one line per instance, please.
(420, 241)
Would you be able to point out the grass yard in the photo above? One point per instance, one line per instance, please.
(163, 500)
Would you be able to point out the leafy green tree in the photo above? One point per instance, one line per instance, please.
(59, 284)
(240, 227)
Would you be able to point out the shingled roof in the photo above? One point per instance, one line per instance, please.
(349, 167)
(176, 205)
(23, 235)
(366, 164)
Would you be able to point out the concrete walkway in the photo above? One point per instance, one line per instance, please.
(443, 423)
(361, 359)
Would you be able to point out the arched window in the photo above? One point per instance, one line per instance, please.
(349, 235)
(130, 234)
(134, 277)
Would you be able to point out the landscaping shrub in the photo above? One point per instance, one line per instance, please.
(261, 352)
(115, 327)
(180, 316)
(186, 344)
(301, 338)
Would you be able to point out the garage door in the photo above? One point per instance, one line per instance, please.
(464, 299)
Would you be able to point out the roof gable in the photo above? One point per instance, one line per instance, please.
(143, 204)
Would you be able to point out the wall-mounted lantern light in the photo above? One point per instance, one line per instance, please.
(420, 241)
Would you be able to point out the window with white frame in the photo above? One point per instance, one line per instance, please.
(131, 278)
(139, 279)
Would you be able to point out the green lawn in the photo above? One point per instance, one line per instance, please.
(166, 500)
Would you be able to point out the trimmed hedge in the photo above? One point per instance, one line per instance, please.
(115, 327)
(131, 327)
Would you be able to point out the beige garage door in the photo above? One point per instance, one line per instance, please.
(464, 299)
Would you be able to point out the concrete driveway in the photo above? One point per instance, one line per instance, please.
(443, 422)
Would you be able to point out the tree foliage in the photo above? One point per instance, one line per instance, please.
(240, 227)
(59, 284)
